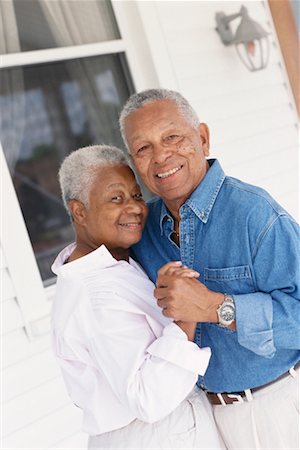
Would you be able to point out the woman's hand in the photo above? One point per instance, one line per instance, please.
(177, 269)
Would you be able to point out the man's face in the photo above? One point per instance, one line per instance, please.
(166, 150)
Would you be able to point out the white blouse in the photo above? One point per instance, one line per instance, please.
(121, 359)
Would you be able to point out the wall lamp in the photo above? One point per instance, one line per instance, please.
(250, 40)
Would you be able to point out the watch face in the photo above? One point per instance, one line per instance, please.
(227, 313)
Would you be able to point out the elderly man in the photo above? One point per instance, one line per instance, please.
(246, 249)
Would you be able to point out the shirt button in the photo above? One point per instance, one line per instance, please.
(203, 215)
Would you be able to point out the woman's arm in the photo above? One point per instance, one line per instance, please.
(149, 375)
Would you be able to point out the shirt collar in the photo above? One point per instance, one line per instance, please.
(203, 198)
(100, 257)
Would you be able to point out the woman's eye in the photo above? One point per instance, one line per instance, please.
(138, 196)
(116, 198)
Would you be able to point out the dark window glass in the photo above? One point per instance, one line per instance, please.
(61, 23)
(47, 111)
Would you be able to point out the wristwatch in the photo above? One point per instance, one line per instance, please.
(226, 311)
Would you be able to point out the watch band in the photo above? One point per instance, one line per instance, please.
(226, 311)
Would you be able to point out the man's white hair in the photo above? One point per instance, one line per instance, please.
(78, 170)
(137, 101)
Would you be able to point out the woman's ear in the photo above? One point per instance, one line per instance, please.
(78, 211)
(204, 136)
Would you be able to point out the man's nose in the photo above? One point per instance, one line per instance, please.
(161, 153)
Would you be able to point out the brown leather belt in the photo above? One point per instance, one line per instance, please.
(227, 398)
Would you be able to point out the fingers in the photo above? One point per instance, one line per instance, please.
(160, 293)
(162, 303)
(176, 268)
(169, 265)
(186, 272)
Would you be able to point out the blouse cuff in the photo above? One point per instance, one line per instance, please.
(174, 347)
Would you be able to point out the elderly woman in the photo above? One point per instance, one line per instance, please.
(130, 369)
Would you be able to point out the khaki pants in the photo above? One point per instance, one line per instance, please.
(269, 421)
(190, 426)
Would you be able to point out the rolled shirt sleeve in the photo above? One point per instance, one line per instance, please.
(269, 319)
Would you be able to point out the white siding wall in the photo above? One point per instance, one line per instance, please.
(36, 411)
(252, 120)
(251, 115)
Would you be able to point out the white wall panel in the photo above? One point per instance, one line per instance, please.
(12, 314)
(16, 347)
(57, 428)
(3, 263)
(31, 406)
(253, 132)
(28, 374)
(249, 113)
(7, 291)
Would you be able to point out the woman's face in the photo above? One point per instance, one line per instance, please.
(116, 213)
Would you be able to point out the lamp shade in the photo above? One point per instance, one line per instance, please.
(251, 43)
(248, 30)
(250, 39)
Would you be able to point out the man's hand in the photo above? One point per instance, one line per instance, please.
(183, 298)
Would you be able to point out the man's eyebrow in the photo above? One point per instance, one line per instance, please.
(164, 128)
(137, 137)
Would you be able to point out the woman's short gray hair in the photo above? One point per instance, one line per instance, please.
(77, 172)
(141, 99)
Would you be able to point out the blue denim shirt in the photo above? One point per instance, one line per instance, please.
(242, 243)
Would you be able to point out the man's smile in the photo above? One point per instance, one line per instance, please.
(168, 173)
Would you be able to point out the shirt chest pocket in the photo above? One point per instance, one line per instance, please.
(232, 280)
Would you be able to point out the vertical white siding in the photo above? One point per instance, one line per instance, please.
(251, 115)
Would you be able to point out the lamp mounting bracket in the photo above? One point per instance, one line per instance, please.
(223, 25)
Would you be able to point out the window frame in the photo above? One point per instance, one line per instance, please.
(32, 297)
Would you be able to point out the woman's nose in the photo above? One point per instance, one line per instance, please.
(134, 205)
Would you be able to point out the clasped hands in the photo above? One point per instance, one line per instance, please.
(182, 297)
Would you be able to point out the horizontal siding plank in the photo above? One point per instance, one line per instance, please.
(281, 161)
(8, 290)
(216, 79)
(12, 314)
(247, 125)
(28, 408)
(35, 371)
(219, 57)
(284, 181)
(182, 44)
(192, 14)
(63, 425)
(16, 347)
(253, 100)
(239, 151)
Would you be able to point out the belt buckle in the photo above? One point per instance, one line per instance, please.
(237, 397)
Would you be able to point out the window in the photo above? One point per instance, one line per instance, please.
(50, 109)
